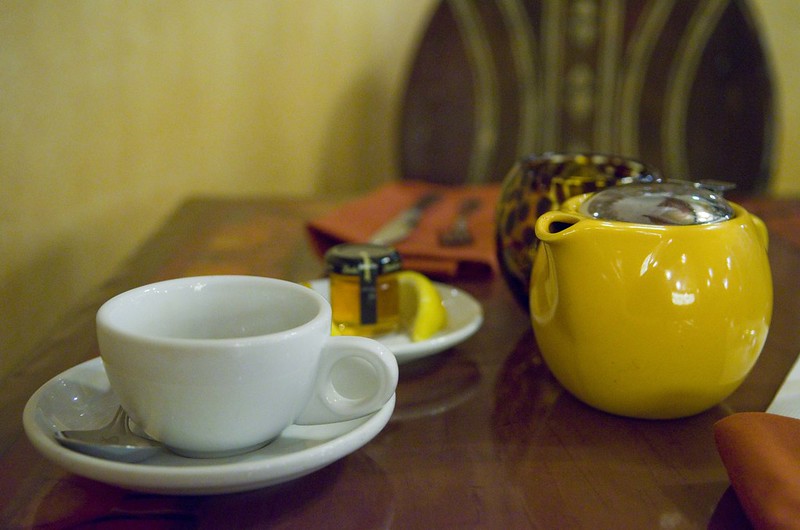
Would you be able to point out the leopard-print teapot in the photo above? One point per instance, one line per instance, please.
(540, 183)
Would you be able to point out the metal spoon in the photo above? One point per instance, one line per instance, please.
(114, 441)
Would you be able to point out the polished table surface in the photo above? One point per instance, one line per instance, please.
(482, 436)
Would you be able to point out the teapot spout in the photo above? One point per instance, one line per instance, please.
(553, 226)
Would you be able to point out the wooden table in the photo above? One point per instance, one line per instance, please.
(482, 436)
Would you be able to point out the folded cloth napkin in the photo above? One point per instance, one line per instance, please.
(761, 452)
(357, 220)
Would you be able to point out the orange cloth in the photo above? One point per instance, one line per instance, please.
(761, 452)
(357, 220)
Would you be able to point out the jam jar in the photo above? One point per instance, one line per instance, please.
(363, 288)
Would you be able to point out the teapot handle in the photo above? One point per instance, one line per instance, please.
(761, 230)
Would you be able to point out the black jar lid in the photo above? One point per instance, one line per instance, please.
(360, 258)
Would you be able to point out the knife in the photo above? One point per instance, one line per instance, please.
(399, 228)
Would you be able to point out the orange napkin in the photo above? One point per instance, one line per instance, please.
(357, 220)
(761, 452)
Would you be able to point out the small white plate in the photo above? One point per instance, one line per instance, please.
(81, 398)
(464, 318)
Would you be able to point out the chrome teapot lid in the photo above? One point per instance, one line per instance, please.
(662, 203)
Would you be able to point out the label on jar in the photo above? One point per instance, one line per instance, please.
(369, 292)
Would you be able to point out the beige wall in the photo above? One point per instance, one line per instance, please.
(111, 112)
(780, 20)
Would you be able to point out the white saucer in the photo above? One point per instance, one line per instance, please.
(81, 398)
(464, 318)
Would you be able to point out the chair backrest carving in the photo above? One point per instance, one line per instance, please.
(683, 85)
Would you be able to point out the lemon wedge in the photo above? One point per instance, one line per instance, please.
(422, 313)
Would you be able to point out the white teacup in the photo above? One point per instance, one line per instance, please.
(220, 365)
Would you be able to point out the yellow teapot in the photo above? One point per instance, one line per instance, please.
(651, 300)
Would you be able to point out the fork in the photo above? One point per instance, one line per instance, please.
(458, 233)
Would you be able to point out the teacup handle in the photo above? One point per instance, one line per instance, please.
(356, 377)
